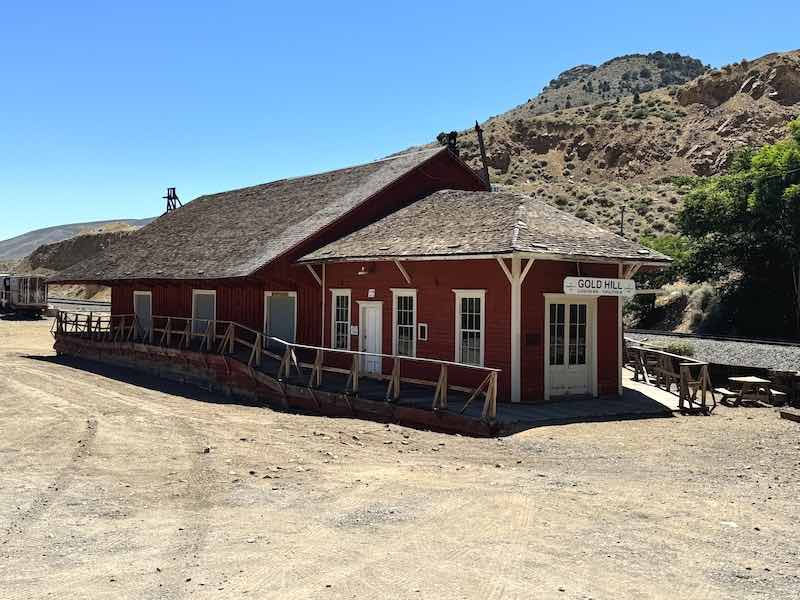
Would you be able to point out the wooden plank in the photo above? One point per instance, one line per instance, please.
(790, 415)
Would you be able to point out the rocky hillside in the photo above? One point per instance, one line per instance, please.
(597, 159)
(51, 258)
(616, 78)
(22, 245)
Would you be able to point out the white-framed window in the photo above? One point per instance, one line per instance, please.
(340, 319)
(422, 329)
(470, 326)
(404, 322)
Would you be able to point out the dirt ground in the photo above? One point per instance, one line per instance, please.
(106, 492)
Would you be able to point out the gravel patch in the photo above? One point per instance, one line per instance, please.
(734, 354)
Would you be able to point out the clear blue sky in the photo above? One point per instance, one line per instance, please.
(102, 105)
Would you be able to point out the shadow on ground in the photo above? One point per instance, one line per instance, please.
(511, 418)
(150, 382)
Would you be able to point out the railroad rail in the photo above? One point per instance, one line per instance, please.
(717, 338)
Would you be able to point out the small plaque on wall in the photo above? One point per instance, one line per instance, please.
(353, 329)
(371, 293)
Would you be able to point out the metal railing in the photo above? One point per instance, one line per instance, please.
(663, 369)
(234, 339)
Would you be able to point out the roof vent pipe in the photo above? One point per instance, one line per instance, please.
(485, 168)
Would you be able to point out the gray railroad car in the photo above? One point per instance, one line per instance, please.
(23, 294)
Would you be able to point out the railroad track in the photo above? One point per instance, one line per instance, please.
(717, 338)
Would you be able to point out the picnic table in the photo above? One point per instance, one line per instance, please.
(749, 383)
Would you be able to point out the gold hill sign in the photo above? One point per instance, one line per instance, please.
(599, 286)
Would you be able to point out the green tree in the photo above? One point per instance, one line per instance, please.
(744, 228)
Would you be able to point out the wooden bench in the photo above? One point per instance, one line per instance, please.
(726, 393)
(776, 395)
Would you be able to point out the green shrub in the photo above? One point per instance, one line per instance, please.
(680, 348)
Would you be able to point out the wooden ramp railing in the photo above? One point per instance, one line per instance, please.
(663, 369)
(234, 339)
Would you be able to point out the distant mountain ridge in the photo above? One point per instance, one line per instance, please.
(23, 245)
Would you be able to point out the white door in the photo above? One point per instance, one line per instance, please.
(143, 309)
(280, 316)
(569, 357)
(371, 335)
(204, 309)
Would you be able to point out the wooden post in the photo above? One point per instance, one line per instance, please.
(352, 379)
(120, 329)
(490, 405)
(440, 395)
(316, 371)
(132, 331)
(283, 370)
(393, 389)
(255, 353)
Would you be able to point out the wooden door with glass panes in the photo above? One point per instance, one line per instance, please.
(568, 357)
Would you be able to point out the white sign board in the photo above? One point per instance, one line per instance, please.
(599, 286)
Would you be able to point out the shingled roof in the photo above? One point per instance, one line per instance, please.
(233, 234)
(455, 222)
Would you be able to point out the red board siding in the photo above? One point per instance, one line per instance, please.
(239, 300)
(607, 344)
(243, 301)
(434, 282)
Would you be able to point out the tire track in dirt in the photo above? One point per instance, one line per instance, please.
(200, 485)
(42, 501)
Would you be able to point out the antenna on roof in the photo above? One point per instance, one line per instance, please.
(485, 169)
(173, 202)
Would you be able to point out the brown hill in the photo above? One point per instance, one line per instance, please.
(596, 159)
(48, 259)
(17, 247)
(616, 78)
(51, 258)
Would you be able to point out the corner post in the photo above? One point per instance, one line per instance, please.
(516, 329)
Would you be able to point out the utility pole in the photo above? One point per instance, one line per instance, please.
(622, 221)
(485, 168)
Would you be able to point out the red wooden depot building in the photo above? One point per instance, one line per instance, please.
(409, 256)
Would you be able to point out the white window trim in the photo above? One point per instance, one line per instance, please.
(341, 292)
(404, 292)
(208, 293)
(267, 295)
(459, 295)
